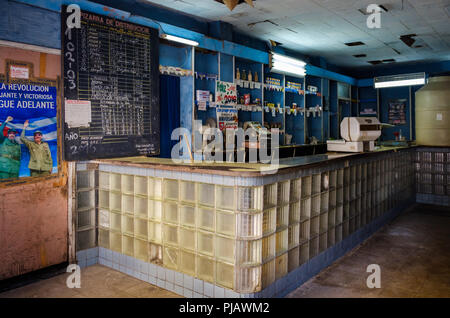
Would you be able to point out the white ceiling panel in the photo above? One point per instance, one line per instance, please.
(321, 27)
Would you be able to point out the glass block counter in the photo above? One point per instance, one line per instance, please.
(235, 230)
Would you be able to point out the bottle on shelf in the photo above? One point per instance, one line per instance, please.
(256, 77)
(238, 74)
(244, 75)
(249, 77)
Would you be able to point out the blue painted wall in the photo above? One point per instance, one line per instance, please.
(326, 112)
(38, 22)
(26, 24)
(226, 67)
(206, 63)
(170, 55)
(368, 99)
(334, 116)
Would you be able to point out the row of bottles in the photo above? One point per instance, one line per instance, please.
(246, 77)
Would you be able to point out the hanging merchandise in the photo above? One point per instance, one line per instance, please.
(288, 110)
(293, 87)
(280, 110)
(273, 84)
(206, 76)
(273, 81)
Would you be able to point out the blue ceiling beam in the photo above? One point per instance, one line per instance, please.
(320, 72)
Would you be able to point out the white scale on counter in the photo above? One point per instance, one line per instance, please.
(359, 135)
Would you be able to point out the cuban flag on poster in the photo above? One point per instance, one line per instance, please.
(38, 105)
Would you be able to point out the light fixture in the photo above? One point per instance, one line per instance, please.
(399, 80)
(286, 65)
(178, 39)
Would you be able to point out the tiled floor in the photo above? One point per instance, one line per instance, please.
(96, 281)
(412, 251)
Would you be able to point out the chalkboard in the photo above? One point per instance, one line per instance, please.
(112, 68)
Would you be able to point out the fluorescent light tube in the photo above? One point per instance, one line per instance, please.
(287, 60)
(288, 69)
(178, 39)
(411, 82)
(399, 80)
(287, 65)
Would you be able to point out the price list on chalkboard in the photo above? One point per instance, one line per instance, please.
(111, 88)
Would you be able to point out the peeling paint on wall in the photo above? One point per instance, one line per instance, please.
(33, 211)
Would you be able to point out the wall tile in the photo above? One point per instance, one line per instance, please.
(179, 290)
(170, 276)
(198, 286)
(82, 255)
(82, 263)
(92, 261)
(208, 289)
(123, 260)
(152, 270)
(108, 255)
(143, 267)
(170, 286)
(161, 273)
(101, 252)
(143, 277)
(188, 282)
(219, 292)
(160, 283)
(187, 293)
(179, 279)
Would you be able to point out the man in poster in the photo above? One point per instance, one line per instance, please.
(40, 156)
(9, 153)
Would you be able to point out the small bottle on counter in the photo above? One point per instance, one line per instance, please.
(249, 78)
(256, 77)
(238, 74)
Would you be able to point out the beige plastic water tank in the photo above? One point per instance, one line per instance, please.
(433, 112)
